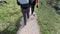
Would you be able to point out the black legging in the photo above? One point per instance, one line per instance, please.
(33, 6)
(25, 13)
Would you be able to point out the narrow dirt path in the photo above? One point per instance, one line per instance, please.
(31, 27)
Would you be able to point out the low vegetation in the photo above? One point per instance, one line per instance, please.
(10, 14)
(48, 19)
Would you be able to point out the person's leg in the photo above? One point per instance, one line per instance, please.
(28, 10)
(24, 15)
(32, 7)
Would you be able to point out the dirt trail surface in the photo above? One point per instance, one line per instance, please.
(31, 27)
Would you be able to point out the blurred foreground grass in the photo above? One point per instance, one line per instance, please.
(48, 19)
(9, 15)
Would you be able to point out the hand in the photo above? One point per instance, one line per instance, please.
(37, 6)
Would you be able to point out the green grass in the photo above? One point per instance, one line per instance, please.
(48, 19)
(9, 16)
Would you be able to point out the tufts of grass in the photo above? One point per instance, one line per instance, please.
(9, 15)
(48, 19)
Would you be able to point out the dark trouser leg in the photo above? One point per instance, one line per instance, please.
(32, 7)
(28, 10)
(24, 15)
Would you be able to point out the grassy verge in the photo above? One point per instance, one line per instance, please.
(48, 19)
(9, 15)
